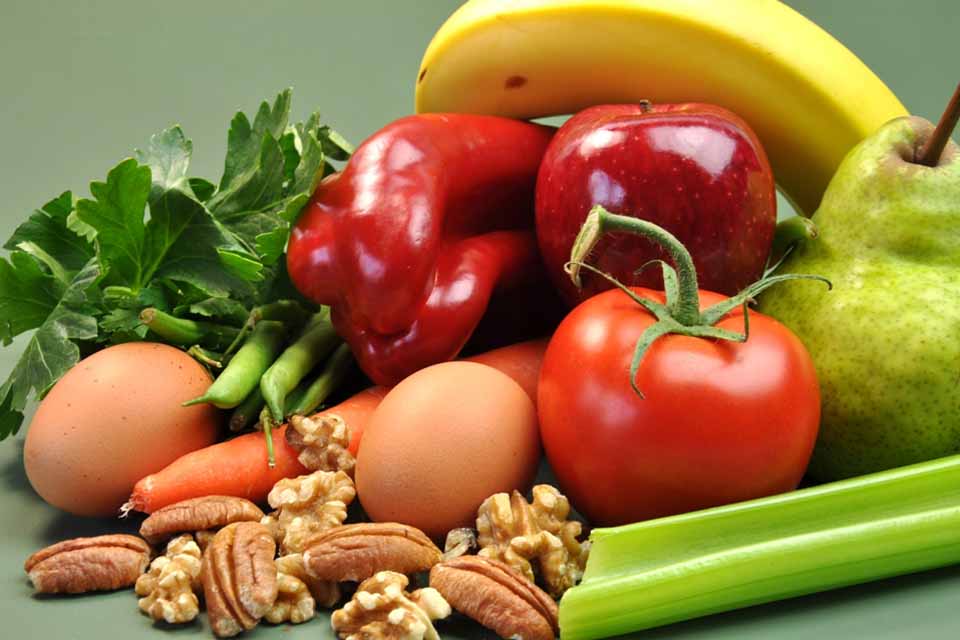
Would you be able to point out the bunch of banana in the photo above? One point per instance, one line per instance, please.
(806, 95)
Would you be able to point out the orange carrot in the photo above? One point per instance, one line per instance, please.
(520, 361)
(238, 467)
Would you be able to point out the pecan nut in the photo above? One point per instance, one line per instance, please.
(239, 577)
(354, 552)
(197, 514)
(382, 609)
(497, 596)
(101, 563)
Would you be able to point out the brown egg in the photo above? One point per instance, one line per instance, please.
(441, 442)
(112, 419)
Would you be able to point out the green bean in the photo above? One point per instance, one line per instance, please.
(247, 411)
(334, 371)
(290, 312)
(185, 332)
(317, 340)
(243, 373)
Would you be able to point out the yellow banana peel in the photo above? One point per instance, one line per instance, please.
(809, 98)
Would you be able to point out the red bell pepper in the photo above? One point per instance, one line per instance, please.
(431, 216)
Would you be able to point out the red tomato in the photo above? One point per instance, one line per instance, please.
(720, 421)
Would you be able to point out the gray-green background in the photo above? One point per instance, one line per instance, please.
(84, 82)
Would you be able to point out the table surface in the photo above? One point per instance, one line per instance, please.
(86, 82)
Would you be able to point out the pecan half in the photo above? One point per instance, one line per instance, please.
(197, 514)
(496, 596)
(354, 552)
(101, 563)
(239, 577)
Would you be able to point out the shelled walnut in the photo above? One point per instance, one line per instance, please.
(168, 590)
(308, 505)
(299, 593)
(524, 534)
(322, 442)
(459, 542)
(382, 608)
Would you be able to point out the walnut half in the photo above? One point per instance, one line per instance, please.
(168, 589)
(308, 505)
(323, 442)
(299, 594)
(522, 534)
(382, 608)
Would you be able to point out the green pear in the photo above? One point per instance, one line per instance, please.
(886, 339)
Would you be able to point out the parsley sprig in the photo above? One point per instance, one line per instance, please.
(80, 270)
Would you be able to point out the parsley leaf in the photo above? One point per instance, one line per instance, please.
(45, 235)
(52, 350)
(27, 295)
(116, 214)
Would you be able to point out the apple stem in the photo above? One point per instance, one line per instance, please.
(930, 155)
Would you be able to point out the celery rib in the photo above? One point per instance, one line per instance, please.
(671, 569)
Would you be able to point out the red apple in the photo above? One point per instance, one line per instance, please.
(697, 170)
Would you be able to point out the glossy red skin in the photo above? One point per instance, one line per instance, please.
(718, 197)
(431, 216)
(721, 421)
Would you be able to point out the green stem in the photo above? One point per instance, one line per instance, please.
(205, 356)
(600, 221)
(267, 424)
(788, 234)
(680, 567)
(185, 332)
(681, 314)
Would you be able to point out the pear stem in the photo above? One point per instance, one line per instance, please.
(930, 155)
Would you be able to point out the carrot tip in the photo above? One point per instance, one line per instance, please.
(126, 508)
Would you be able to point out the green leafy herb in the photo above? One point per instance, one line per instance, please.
(80, 271)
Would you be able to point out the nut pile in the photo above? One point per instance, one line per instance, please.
(246, 566)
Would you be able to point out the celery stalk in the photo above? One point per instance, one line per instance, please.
(671, 569)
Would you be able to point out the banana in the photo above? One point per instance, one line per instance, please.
(807, 96)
